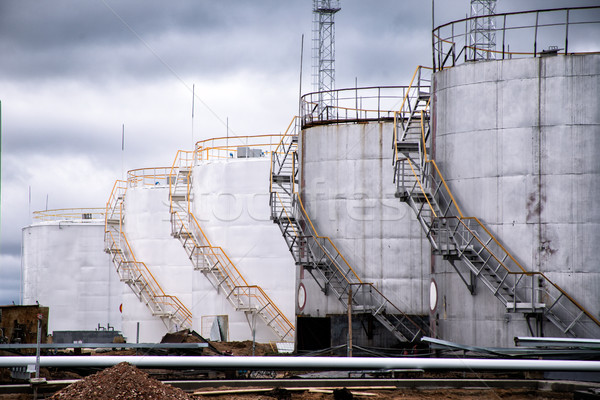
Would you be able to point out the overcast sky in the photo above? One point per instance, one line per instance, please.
(72, 73)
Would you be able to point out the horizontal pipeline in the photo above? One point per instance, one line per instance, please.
(302, 363)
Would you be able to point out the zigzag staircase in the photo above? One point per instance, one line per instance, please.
(136, 274)
(318, 255)
(212, 260)
(465, 242)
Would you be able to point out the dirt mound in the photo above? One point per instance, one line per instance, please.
(123, 381)
(245, 348)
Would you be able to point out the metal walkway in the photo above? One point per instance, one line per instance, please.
(212, 260)
(136, 274)
(471, 248)
(318, 255)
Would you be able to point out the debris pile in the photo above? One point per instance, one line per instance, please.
(123, 381)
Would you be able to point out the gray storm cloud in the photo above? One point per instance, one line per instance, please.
(72, 73)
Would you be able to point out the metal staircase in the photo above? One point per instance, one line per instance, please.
(212, 260)
(318, 255)
(465, 242)
(136, 274)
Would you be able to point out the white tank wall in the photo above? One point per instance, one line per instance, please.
(348, 191)
(148, 230)
(66, 269)
(231, 202)
(519, 142)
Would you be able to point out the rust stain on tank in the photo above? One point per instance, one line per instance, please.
(535, 206)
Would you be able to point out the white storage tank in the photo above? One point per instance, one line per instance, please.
(518, 142)
(348, 192)
(230, 183)
(147, 228)
(66, 269)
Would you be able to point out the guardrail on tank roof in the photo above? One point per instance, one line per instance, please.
(521, 34)
(361, 104)
(220, 148)
(69, 214)
(155, 176)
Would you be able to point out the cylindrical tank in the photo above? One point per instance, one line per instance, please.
(66, 269)
(348, 190)
(518, 142)
(147, 228)
(231, 203)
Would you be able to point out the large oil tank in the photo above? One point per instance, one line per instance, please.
(348, 191)
(66, 269)
(518, 142)
(147, 228)
(230, 184)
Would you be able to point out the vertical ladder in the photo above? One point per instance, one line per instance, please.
(318, 255)
(212, 260)
(136, 274)
(469, 246)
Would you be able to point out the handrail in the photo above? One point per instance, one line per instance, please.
(152, 176)
(71, 214)
(179, 159)
(388, 301)
(317, 236)
(326, 238)
(405, 101)
(226, 147)
(297, 197)
(265, 300)
(372, 103)
(452, 35)
(523, 270)
(151, 283)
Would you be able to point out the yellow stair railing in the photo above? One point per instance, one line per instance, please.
(135, 273)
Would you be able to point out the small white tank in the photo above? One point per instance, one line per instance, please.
(66, 269)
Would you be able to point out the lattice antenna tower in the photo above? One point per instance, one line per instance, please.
(324, 51)
(483, 30)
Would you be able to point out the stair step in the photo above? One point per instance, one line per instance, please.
(521, 306)
(419, 197)
(362, 308)
(282, 178)
(162, 314)
(407, 147)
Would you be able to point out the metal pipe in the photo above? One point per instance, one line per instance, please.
(557, 342)
(303, 363)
